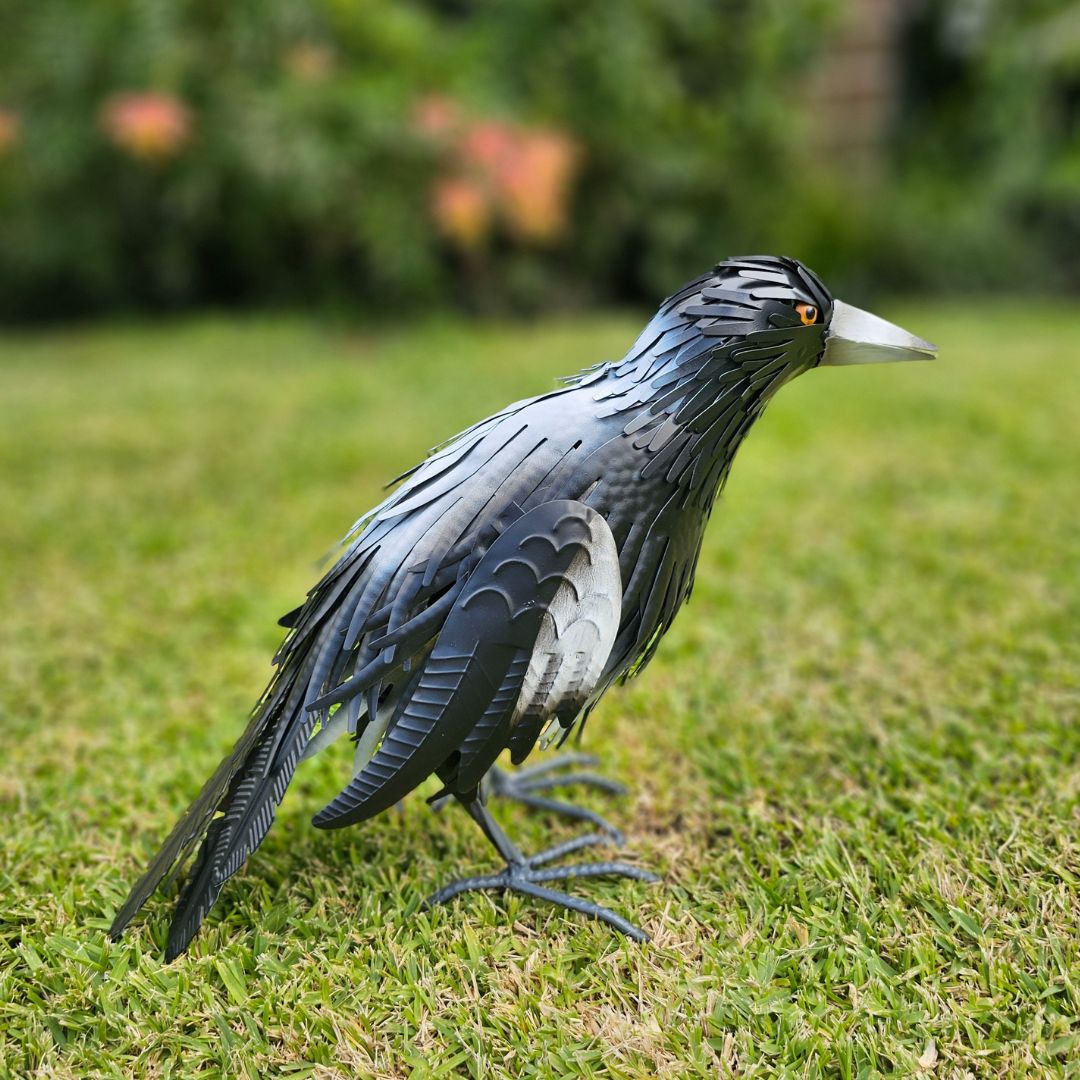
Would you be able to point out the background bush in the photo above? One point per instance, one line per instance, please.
(163, 153)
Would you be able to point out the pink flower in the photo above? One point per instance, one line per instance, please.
(487, 145)
(462, 210)
(149, 126)
(520, 175)
(534, 185)
(436, 116)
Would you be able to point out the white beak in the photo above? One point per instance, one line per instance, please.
(857, 337)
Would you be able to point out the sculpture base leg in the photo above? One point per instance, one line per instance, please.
(528, 875)
(526, 785)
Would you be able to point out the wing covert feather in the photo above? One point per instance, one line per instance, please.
(527, 639)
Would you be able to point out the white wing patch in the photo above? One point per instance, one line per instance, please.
(578, 631)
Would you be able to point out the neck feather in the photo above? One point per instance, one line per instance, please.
(689, 399)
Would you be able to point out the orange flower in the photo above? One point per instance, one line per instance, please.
(523, 175)
(149, 126)
(534, 185)
(487, 146)
(436, 116)
(9, 130)
(462, 210)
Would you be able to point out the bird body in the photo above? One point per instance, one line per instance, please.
(512, 577)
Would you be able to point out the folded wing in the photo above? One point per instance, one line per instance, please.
(526, 641)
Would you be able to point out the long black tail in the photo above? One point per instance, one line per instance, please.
(234, 810)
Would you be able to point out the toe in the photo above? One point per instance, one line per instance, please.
(559, 850)
(598, 869)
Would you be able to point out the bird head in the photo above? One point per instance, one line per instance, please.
(707, 364)
(763, 301)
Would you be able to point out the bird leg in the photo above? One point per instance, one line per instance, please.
(525, 785)
(525, 874)
(538, 777)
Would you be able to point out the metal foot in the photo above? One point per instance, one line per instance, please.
(524, 786)
(533, 778)
(525, 877)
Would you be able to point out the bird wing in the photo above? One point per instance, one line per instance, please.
(359, 640)
(526, 640)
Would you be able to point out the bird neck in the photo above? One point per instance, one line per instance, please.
(688, 400)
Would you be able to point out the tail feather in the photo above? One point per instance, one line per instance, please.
(232, 813)
(250, 806)
(188, 830)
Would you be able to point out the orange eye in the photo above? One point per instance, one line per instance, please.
(808, 313)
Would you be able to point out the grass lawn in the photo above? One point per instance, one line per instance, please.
(854, 761)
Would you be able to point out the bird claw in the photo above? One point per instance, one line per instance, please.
(521, 785)
(538, 777)
(527, 878)
(524, 786)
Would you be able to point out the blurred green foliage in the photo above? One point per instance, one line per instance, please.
(985, 170)
(280, 157)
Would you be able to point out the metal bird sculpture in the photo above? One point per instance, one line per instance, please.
(512, 577)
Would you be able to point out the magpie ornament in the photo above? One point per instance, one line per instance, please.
(511, 578)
